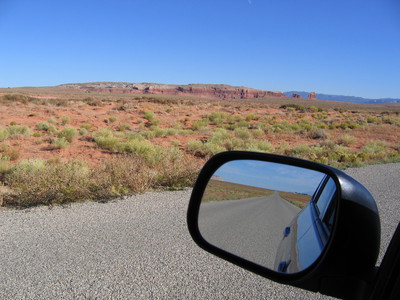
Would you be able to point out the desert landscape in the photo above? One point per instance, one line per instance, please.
(76, 142)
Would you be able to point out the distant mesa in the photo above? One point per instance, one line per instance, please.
(341, 98)
(312, 96)
(215, 177)
(296, 96)
(217, 91)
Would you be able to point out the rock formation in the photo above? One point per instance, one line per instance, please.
(296, 96)
(312, 96)
(218, 91)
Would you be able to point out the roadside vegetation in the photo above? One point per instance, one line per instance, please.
(60, 150)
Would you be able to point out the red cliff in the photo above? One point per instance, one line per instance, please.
(218, 91)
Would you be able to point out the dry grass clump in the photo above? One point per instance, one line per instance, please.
(40, 182)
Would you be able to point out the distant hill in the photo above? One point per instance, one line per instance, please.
(341, 98)
(217, 91)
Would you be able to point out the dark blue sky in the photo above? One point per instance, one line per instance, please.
(341, 47)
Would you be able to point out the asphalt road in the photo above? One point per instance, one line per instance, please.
(139, 248)
(250, 228)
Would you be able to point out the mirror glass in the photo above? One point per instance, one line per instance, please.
(276, 215)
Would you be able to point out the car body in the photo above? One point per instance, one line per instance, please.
(307, 235)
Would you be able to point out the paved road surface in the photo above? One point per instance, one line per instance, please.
(251, 228)
(139, 248)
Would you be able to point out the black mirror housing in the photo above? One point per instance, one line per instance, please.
(346, 267)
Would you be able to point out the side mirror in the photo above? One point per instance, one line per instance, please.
(289, 220)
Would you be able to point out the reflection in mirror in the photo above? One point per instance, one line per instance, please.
(276, 215)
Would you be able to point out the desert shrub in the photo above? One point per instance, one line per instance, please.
(295, 106)
(3, 134)
(82, 131)
(36, 134)
(212, 149)
(112, 119)
(281, 127)
(122, 175)
(348, 125)
(68, 133)
(242, 133)
(217, 118)
(242, 124)
(36, 182)
(250, 117)
(257, 132)
(133, 136)
(86, 126)
(234, 144)
(391, 120)
(60, 143)
(105, 139)
(124, 127)
(106, 142)
(148, 134)
(144, 149)
(175, 143)
(199, 124)
(316, 133)
(176, 170)
(300, 151)
(347, 140)
(375, 147)
(149, 116)
(11, 153)
(283, 147)
(17, 98)
(219, 136)
(65, 120)
(43, 126)
(194, 146)
(260, 146)
(372, 119)
(17, 130)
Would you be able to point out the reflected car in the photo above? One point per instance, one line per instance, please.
(305, 237)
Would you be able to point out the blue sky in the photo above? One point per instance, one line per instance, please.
(271, 176)
(346, 47)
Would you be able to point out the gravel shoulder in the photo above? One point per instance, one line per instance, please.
(139, 247)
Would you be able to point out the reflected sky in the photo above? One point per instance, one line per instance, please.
(270, 175)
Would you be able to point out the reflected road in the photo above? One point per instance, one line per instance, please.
(251, 228)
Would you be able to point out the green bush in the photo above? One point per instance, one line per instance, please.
(60, 143)
(316, 133)
(68, 133)
(16, 130)
(375, 147)
(105, 139)
(43, 126)
(87, 126)
(3, 134)
(149, 116)
(124, 127)
(347, 140)
(112, 119)
(242, 133)
(82, 131)
(65, 120)
(36, 182)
